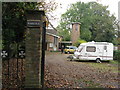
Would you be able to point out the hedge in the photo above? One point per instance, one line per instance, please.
(116, 55)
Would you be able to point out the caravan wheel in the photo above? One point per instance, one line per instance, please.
(98, 60)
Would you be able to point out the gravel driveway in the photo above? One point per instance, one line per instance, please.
(63, 73)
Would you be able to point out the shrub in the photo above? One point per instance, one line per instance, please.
(116, 55)
(79, 42)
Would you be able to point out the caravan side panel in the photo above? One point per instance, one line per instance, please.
(107, 52)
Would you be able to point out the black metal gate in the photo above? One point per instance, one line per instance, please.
(13, 55)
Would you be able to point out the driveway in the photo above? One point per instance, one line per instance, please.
(63, 73)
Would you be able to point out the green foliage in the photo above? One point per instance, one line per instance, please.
(86, 35)
(115, 41)
(64, 33)
(96, 21)
(79, 42)
(82, 41)
(76, 44)
(14, 21)
(113, 62)
(116, 55)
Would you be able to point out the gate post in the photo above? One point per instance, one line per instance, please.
(34, 48)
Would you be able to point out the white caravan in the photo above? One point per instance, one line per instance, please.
(94, 51)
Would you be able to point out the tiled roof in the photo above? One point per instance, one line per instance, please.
(51, 31)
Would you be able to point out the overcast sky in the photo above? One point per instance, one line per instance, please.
(113, 7)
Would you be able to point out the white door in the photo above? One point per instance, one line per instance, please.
(91, 53)
(104, 56)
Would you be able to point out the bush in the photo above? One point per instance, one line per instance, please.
(79, 42)
(116, 55)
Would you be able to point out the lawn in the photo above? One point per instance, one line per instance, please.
(111, 66)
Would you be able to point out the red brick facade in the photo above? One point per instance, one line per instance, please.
(52, 40)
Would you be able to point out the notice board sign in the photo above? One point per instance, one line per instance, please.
(36, 23)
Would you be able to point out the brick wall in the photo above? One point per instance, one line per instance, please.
(50, 40)
(75, 34)
(33, 58)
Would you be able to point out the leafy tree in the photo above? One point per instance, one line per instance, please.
(79, 41)
(65, 33)
(96, 21)
(14, 20)
(117, 32)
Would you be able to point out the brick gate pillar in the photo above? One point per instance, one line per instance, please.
(34, 39)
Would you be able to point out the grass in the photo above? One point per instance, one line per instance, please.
(106, 66)
(88, 84)
(114, 62)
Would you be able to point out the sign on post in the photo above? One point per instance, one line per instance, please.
(32, 23)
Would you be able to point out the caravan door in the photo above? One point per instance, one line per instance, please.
(104, 56)
(91, 53)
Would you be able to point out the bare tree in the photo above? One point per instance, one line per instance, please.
(48, 6)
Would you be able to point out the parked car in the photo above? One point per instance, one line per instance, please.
(70, 49)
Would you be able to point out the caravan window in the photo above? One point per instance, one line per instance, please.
(105, 47)
(80, 48)
(91, 49)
